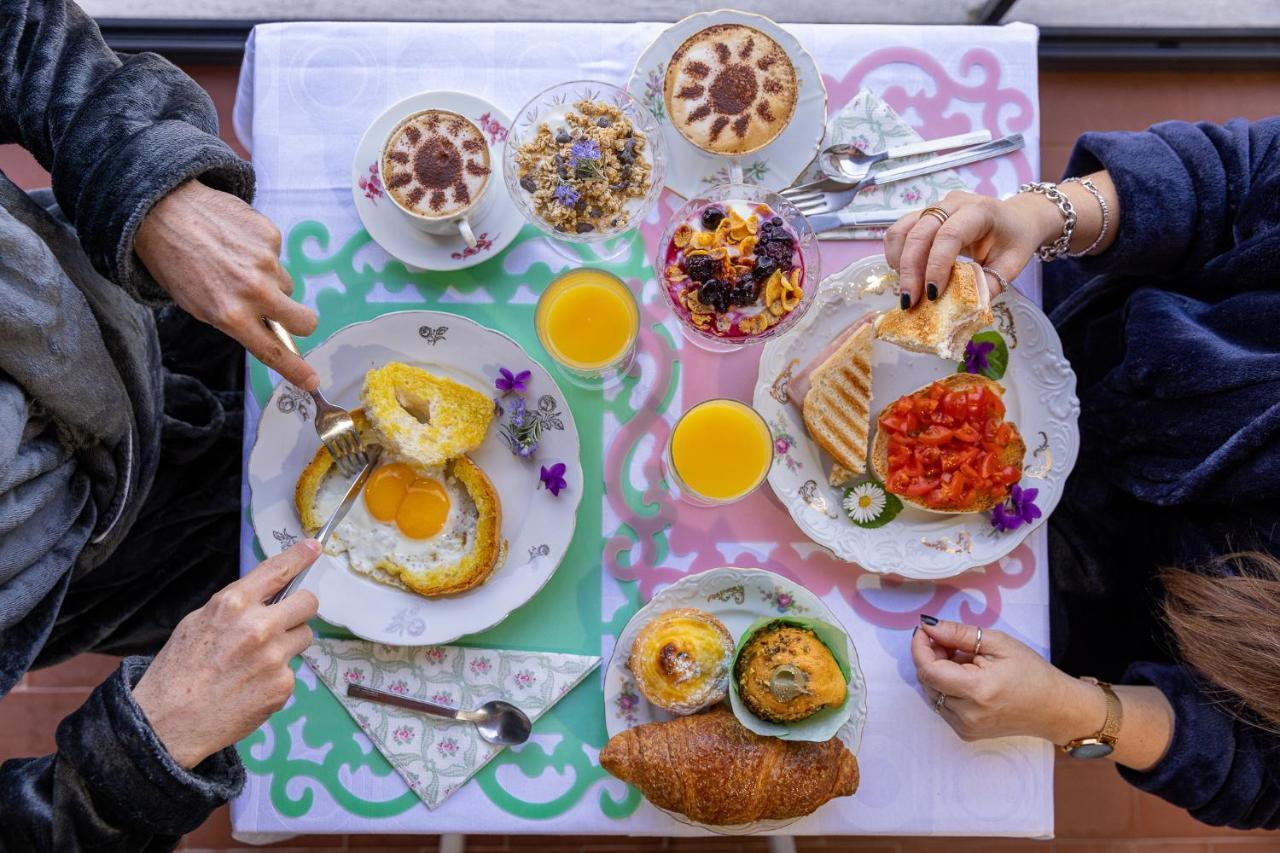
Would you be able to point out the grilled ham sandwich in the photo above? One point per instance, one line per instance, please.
(836, 401)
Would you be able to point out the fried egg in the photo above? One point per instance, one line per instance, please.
(431, 529)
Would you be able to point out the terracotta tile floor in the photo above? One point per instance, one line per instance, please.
(1096, 811)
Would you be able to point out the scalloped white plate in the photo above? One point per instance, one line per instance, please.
(1040, 397)
(537, 525)
(737, 597)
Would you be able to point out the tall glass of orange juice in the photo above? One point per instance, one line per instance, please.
(588, 320)
(718, 452)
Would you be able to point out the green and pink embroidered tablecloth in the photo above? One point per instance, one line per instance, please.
(307, 93)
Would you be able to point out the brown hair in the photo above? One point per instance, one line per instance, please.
(1226, 623)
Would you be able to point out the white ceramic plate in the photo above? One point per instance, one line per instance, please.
(537, 525)
(494, 229)
(1039, 398)
(691, 170)
(737, 597)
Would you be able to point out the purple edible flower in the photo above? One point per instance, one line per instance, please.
(553, 478)
(567, 195)
(1020, 509)
(975, 356)
(584, 149)
(507, 382)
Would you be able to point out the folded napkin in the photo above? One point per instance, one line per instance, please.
(871, 124)
(435, 756)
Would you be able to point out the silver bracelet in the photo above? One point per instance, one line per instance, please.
(1058, 248)
(1106, 215)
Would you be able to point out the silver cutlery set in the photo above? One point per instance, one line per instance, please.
(846, 171)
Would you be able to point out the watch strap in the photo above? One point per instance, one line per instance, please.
(1110, 730)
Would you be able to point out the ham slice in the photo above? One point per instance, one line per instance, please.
(801, 380)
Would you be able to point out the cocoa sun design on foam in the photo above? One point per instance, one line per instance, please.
(730, 89)
(436, 163)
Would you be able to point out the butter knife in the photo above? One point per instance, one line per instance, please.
(848, 219)
(374, 452)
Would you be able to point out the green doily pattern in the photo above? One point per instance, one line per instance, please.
(342, 289)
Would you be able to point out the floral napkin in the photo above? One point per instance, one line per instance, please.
(436, 757)
(871, 124)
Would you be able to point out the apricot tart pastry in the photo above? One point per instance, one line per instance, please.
(785, 674)
(681, 660)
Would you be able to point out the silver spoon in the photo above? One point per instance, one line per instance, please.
(848, 164)
(497, 722)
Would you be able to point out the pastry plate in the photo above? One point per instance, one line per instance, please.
(1040, 398)
(494, 229)
(690, 170)
(737, 597)
(537, 525)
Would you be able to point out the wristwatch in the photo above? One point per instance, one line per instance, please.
(1104, 742)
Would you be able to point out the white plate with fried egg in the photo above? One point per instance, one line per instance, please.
(536, 526)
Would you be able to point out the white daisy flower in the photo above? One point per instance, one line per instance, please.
(865, 502)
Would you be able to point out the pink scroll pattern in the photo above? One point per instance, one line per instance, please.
(662, 535)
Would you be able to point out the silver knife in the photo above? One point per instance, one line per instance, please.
(374, 452)
(864, 219)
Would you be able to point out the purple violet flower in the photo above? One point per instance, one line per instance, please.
(553, 478)
(975, 356)
(1020, 509)
(584, 149)
(508, 382)
(567, 195)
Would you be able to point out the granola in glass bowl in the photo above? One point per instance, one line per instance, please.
(584, 161)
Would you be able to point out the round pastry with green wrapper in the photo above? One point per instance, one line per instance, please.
(785, 672)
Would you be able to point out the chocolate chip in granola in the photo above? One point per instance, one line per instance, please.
(563, 137)
(596, 213)
(603, 122)
(584, 227)
(528, 184)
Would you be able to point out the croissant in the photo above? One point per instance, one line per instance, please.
(716, 771)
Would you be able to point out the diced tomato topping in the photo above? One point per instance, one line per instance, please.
(947, 446)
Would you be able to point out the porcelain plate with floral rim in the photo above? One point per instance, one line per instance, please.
(690, 170)
(1040, 398)
(537, 525)
(737, 597)
(494, 230)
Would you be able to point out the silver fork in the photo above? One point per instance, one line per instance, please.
(334, 425)
(827, 196)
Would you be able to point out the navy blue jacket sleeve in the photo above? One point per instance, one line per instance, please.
(116, 133)
(111, 786)
(1188, 192)
(1218, 767)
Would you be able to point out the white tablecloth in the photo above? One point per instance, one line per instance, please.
(307, 92)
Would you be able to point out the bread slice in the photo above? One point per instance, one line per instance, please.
(423, 418)
(837, 406)
(943, 326)
(1011, 454)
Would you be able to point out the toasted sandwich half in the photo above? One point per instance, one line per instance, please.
(837, 404)
(944, 326)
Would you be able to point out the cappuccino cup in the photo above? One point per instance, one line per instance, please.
(435, 167)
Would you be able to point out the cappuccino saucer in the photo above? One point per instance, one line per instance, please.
(494, 229)
(690, 170)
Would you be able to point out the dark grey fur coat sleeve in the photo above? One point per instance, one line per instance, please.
(116, 133)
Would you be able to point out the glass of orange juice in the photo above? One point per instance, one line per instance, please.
(588, 320)
(718, 452)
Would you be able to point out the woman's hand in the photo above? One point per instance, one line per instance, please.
(219, 260)
(1005, 690)
(1002, 235)
(226, 669)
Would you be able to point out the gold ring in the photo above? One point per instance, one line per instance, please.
(977, 647)
(936, 212)
(939, 702)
